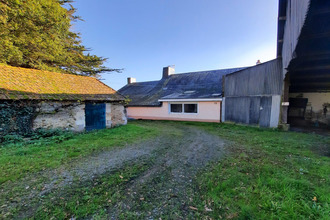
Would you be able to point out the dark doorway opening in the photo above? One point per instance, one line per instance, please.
(309, 72)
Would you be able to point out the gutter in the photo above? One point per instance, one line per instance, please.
(191, 100)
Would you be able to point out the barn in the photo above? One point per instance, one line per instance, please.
(31, 99)
(304, 47)
(294, 89)
(253, 95)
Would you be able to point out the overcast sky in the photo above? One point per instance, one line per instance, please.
(143, 36)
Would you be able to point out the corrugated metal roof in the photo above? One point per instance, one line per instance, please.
(262, 79)
(193, 85)
(22, 83)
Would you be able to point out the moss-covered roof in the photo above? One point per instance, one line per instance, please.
(22, 83)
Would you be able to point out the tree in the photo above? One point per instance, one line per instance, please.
(36, 34)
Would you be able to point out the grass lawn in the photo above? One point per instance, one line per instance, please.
(266, 174)
(269, 175)
(17, 160)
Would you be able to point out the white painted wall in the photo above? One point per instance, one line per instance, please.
(315, 105)
(316, 100)
(207, 112)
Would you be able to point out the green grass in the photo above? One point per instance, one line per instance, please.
(93, 197)
(18, 160)
(269, 175)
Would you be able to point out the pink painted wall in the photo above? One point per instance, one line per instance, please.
(207, 112)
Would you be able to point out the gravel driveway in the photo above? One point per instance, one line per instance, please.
(178, 154)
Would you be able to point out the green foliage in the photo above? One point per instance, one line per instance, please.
(126, 101)
(16, 117)
(36, 34)
(37, 137)
(10, 139)
(44, 133)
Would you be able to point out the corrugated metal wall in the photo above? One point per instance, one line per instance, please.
(295, 20)
(252, 96)
(263, 79)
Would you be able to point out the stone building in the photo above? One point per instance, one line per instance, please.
(32, 99)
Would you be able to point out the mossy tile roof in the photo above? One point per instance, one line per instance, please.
(22, 83)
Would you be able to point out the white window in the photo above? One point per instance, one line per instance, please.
(188, 108)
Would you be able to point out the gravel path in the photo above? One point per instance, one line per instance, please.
(178, 154)
(178, 161)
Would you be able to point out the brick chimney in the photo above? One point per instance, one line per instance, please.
(167, 71)
(131, 80)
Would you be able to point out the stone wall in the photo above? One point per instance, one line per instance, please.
(108, 115)
(25, 116)
(62, 115)
(117, 113)
(71, 115)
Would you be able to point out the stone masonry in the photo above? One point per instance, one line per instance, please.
(62, 115)
(71, 115)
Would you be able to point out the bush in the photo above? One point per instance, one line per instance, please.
(37, 136)
(11, 138)
(16, 117)
(44, 133)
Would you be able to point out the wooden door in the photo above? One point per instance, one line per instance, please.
(95, 116)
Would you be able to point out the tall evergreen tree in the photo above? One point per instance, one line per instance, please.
(36, 34)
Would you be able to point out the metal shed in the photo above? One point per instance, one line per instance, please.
(253, 96)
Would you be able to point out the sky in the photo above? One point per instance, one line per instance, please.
(143, 36)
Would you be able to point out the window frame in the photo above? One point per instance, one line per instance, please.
(170, 108)
(183, 110)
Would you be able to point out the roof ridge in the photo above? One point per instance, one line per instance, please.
(261, 64)
(176, 74)
(146, 82)
(32, 69)
(211, 70)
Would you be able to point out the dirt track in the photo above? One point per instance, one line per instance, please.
(177, 155)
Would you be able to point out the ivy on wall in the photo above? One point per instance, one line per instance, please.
(16, 117)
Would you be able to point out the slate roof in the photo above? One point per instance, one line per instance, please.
(193, 85)
(22, 83)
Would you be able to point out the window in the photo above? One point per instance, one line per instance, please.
(190, 108)
(183, 108)
(176, 108)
